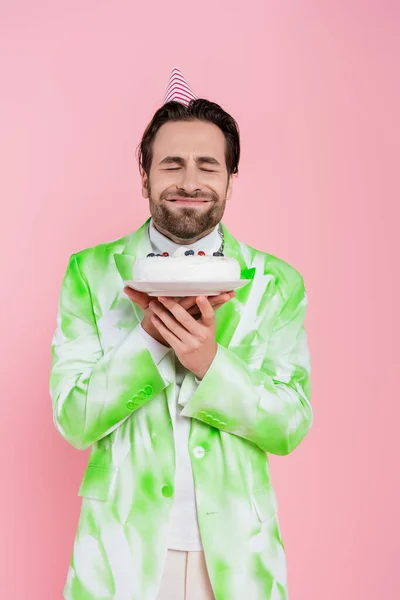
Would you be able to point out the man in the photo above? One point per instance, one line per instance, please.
(180, 399)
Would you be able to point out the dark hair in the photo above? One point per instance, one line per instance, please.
(197, 109)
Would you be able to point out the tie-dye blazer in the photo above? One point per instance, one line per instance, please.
(108, 394)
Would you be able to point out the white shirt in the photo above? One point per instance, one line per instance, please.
(184, 529)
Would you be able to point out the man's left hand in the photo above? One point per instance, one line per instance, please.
(192, 340)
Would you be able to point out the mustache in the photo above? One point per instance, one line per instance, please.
(182, 194)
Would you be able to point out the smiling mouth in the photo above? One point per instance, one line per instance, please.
(188, 200)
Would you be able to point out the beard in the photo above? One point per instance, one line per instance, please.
(189, 222)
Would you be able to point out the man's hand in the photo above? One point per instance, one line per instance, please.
(188, 303)
(192, 340)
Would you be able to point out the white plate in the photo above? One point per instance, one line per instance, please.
(185, 288)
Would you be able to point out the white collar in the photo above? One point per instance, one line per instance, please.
(161, 243)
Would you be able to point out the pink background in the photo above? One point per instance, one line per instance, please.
(315, 89)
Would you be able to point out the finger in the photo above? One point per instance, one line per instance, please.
(139, 298)
(217, 306)
(220, 299)
(206, 310)
(187, 302)
(195, 311)
(190, 301)
(170, 322)
(198, 315)
(167, 334)
(182, 316)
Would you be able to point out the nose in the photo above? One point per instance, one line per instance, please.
(190, 180)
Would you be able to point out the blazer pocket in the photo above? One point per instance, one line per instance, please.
(96, 482)
(264, 502)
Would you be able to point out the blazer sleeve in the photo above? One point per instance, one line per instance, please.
(93, 391)
(269, 406)
(157, 350)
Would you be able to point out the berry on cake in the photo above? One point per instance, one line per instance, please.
(186, 266)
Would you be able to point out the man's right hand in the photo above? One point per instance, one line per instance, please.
(188, 302)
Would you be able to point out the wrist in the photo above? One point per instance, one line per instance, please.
(200, 374)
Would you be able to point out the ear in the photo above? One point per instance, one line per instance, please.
(145, 179)
(230, 187)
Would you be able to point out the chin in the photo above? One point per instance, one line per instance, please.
(187, 224)
(184, 234)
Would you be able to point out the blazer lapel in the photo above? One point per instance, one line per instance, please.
(137, 246)
(228, 316)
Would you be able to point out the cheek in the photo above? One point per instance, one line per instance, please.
(219, 184)
(158, 186)
(221, 190)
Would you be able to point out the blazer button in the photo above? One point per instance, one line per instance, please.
(142, 394)
(166, 491)
(198, 452)
(148, 390)
(134, 403)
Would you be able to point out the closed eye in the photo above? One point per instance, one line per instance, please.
(177, 168)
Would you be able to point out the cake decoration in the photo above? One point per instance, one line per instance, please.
(187, 266)
(187, 253)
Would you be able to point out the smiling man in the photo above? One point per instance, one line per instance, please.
(180, 399)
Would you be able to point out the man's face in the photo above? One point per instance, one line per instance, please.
(188, 184)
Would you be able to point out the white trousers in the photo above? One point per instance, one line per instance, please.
(185, 577)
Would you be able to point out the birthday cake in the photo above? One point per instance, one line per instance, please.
(186, 266)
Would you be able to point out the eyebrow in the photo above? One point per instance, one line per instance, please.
(210, 160)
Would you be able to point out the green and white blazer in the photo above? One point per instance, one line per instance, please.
(108, 394)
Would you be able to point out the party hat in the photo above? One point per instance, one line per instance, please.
(178, 89)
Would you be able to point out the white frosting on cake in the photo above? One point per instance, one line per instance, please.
(179, 267)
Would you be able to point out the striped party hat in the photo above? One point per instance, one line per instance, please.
(178, 89)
